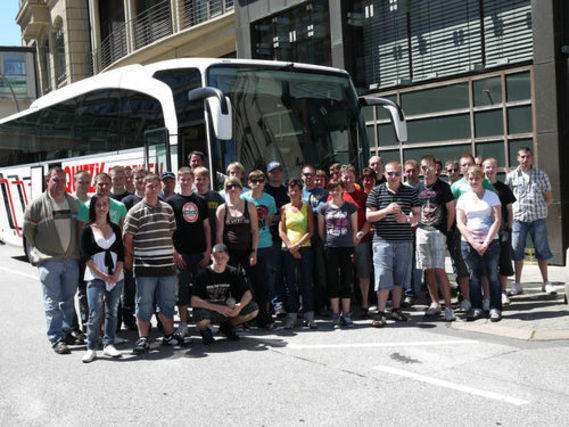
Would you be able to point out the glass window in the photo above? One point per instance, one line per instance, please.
(367, 113)
(14, 69)
(487, 91)
(387, 135)
(60, 62)
(447, 152)
(370, 131)
(390, 156)
(439, 129)
(518, 86)
(492, 149)
(489, 123)
(436, 99)
(519, 119)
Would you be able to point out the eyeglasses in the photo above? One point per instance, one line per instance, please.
(231, 186)
(393, 173)
(308, 175)
(427, 168)
(452, 170)
(257, 181)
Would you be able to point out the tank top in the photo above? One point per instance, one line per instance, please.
(237, 231)
(296, 224)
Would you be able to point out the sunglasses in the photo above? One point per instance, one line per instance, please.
(308, 175)
(393, 173)
(427, 168)
(231, 186)
(257, 181)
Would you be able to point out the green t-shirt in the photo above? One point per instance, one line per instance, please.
(462, 186)
(117, 211)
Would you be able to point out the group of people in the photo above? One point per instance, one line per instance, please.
(247, 253)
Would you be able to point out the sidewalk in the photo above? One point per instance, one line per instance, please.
(532, 315)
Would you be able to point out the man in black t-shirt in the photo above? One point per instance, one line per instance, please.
(437, 217)
(279, 192)
(221, 295)
(192, 241)
(507, 198)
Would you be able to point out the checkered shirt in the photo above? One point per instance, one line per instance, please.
(528, 189)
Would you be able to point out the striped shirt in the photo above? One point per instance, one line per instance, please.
(151, 228)
(528, 187)
(387, 228)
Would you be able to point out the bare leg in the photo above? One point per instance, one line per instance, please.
(504, 281)
(364, 289)
(346, 306)
(167, 323)
(518, 265)
(464, 284)
(432, 285)
(243, 319)
(382, 300)
(335, 305)
(396, 296)
(183, 311)
(445, 285)
(143, 328)
(542, 263)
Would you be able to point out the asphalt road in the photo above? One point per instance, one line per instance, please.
(406, 374)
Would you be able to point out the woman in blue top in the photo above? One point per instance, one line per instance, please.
(338, 227)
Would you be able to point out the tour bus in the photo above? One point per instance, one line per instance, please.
(154, 115)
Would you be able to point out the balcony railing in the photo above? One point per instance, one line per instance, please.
(113, 47)
(152, 24)
(197, 11)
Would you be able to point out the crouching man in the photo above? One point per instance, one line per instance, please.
(221, 295)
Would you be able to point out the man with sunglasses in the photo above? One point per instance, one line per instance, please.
(266, 210)
(392, 207)
(452, 171)
(314, 196)
(437, 217)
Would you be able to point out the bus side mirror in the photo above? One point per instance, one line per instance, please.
(219, 107)
(395, 111)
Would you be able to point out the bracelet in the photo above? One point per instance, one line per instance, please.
(360, 235)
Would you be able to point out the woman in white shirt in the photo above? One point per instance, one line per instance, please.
(478, 214)
(102, 251)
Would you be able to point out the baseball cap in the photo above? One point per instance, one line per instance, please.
(167, 175)
(273, 165)
(219, 248)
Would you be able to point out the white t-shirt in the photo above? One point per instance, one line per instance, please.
(478, 212)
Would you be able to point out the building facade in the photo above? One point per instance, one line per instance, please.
(479, 76)
(18, 87)
(74, 39)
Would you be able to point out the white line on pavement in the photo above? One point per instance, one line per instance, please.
(447, 384)
(381, 344)
(9, 270)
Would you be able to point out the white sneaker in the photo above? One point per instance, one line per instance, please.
(449, 314)
(465, 306)
(111, 351)
(548, 288)
(182, 330)
(433, 309)
(516, 289)
(486, 305)
(89, 356)
(505, 299)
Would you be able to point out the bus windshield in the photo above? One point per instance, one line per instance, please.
(294, 116)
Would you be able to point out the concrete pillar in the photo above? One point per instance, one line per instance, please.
(94, 21)
(129, 15)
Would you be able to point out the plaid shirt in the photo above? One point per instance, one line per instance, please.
(528, 189)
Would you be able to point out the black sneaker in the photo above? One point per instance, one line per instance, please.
(141, 346)
(397, 314)
(364, 313)
(207, 337)
(173, 340)
(75, 338)
(380, 320)
(229, 331)
(61, 348)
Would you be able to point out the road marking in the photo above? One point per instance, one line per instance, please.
(381, 344)
(9, 270)
(447, 384)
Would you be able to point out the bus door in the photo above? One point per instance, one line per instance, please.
(157, 156)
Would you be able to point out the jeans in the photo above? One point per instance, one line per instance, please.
(97, 296)
(416, 277)
(164, 287)
(304, 265)
(59, 283)
(491, 259)
(538, 232)
(269, 260)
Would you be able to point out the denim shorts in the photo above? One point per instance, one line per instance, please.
(392, 263)
(200, 314)
(164, 288)
(431, 249)
(538, 232)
